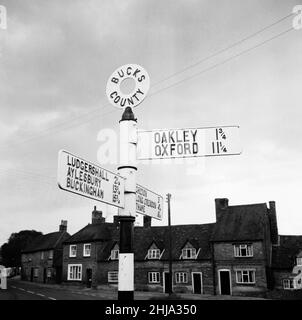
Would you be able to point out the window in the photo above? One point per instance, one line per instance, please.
(48, 274)
(42, 255)
(245, 276)
(153, 277)
(74, 272)
(181, 277)
(36, 272)
(87, 250)
(50, 256)
(153, 254)
(299, 261)
(189, 253)
(288, 284)
(113, 276)
(114, 254)
(243, 250)
(73, 250)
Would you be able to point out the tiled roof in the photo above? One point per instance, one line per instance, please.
(197, 234)
(94, 232)
(284, 254)
(244, 222)
(47, 242)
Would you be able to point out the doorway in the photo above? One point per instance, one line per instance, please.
(197, 282)
(44, 275)
(88, 277)
(32, 274)
(166, 282)
(224, 282)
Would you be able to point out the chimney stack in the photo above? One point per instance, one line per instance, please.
(273, 222)
(221, 206)
(147, 221)
(97, 216)
(63, 226)
(115, 220)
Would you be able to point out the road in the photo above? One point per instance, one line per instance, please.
(20, 290)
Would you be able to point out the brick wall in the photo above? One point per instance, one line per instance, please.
(86, 262)
(224, 259)
(33, 261)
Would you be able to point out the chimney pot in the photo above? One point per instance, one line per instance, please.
(97, 216)
(63, 226)
(147, 221)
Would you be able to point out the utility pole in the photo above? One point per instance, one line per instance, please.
(170, 291)
(127, 169)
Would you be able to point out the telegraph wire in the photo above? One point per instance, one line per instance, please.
(221, 63)
(222, 50)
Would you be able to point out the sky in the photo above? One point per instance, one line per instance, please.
(55, 60)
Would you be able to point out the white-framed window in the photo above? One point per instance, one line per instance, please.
(36, 272)
(188, 253)
(50, 256)
(42, 255)
(74, 272)
(73, 250)
(114, 254)
(153, 254)
(87, 250)
(181, 277)
(154, 277)
(288, 284)
(245, 276)
(113, 276)
(243, 250)
(299, 261)
(48, 274)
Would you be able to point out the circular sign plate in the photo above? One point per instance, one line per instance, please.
(142, 84)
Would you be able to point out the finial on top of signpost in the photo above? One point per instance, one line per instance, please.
(128, 115)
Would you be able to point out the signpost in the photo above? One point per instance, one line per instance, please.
(149, 203)
(190, 142)
(89, 180)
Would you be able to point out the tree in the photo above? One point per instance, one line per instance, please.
(11, 251)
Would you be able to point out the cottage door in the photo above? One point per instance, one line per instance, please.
(224, 280)
(166, 281)
(32, 274)
(88, 277)
(197, 284)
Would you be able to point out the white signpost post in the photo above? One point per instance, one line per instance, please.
(89, 180)
(190, 142)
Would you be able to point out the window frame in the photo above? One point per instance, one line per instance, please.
(243, 246)
(109, 277)
(36, 272)
(299, 261)
(153, 277)
(114, 254)
(79, 272)
(50, 256)
(84, 250)
(42, 255)
(242, 271)
(184, 253)
(153, 254)
(181, 277)
(70, 251)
